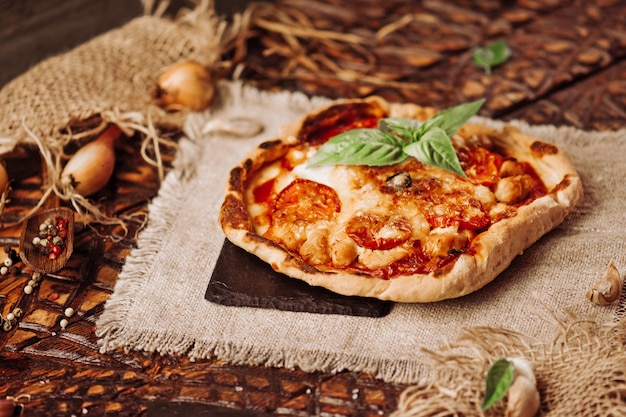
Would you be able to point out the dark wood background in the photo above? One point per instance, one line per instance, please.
(568, 68)
(31, 30)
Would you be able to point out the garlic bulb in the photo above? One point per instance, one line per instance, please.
(91, 167)
(187, 84)
(523, 396)
(608, 289)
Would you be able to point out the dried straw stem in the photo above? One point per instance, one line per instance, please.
(580, 373)
(308, 53)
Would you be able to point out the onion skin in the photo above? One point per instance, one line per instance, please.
(4, 178)
(187, 84)
(91, 167)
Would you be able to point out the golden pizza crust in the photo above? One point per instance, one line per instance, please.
(494, 249)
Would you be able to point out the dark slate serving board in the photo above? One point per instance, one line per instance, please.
(241, 279)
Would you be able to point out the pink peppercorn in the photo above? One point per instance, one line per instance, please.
(55, 251)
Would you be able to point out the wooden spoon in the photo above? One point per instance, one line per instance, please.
(50, 211)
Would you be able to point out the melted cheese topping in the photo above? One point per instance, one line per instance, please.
(364, 220)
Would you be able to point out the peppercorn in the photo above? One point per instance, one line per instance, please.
(55, 251)
(52, 230)
(12, 253)
(7, 325)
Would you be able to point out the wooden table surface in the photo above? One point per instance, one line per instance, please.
(567, 68)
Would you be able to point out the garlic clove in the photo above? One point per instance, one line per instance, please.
(523, 367)
(186, 84)
(523, 397)
(608, 289)
(241, 127)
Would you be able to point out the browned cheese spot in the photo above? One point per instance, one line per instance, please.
(234, 214)
(235, 181)
(444, 270)
(304, 266)
(253, 237)
(540, 148)
(565, 182)
(270, 144)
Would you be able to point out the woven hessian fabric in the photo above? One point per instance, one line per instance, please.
(159, 305)
(109, 76)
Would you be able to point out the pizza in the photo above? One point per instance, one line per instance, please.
(396, 201)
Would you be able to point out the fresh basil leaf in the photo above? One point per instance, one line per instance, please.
(396, 138)
(499, 379)
(371, 147)
(406, 128)
(435, 148)
(451, 119)
(489, 56)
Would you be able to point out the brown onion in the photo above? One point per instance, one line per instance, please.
(187, 84)
(91, 167)
(4, 178)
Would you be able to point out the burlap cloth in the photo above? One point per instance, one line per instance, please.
(536, 308)
(107, 78)
(158, 303)
(71, 97)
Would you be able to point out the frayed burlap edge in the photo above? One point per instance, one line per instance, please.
(197, 34)
(582, 373)
(167, 206)
(114, 335)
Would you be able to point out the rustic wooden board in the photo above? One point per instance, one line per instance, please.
(568, 68)
(421, 51)
(163, 408)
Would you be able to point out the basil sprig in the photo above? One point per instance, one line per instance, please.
(491, 55)
(396, 139)
(499, 379)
